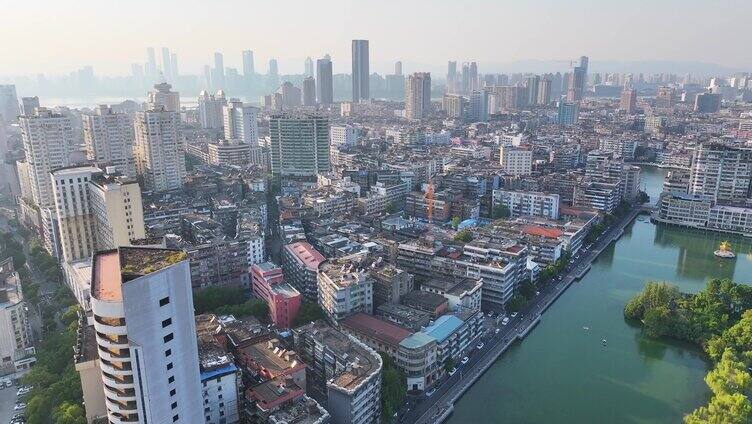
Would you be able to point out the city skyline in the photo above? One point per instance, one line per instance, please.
(561, 34)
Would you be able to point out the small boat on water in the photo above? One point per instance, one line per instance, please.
(604, 342)
(724, 251)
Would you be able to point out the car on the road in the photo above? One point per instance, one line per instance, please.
(505, 321)
(537, 293)
(496, 331)
(514, 314)
(19, 406)
(5, 383)
(465, 360)
(479, 346)
(452, 371)
(430, 392)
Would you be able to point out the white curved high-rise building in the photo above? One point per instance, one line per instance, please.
(146, 336)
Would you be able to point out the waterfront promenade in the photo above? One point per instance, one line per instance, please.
(439, 406)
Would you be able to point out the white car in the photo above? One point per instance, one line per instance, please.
(19, 406)
(514, 314)
(430, 392)
(496, 331)
(465, 360)
(23, 391)
(480, 346)
(454, 370)
(505, 321)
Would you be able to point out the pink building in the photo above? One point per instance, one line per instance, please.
(283, 300)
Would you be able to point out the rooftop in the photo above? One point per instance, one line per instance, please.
(112, 268)
(443, 327)
(306, 254)
(271, 357)
(375, 328)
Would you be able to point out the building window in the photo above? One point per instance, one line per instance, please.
(171, 379)
(172, 392)
(164, 301)
(174, 405)
(166, 322)
(168, 338)
(169, 366)
(168, 352)
(175, 418)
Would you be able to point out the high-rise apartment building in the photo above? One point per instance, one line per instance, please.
(346, 135)
(74, 215)
(158, 149)
(248, 68)
(398, 68)
(708, 102)
(578, 81)
(451, 78)
(47, 139)
(324, 82)
(8, 102)
(628, 101)
(477, 110)
(108, 137)
(721, 174)
(142, 306)
(533, 85)
(360, 71)
(418, 95)
(164, 97)
(116, 209)
(516, 160)
(544, 92)
(16, 338)
(309, 91)
(28, 104)
(240, 122)
(665, 97)
(454, 105)
(299, 144)
(210, 109)
(568, 113)
(151, 64)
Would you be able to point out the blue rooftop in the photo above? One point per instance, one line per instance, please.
(218, 372)
(443, 327)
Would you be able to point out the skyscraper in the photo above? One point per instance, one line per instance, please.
(166, 65)
(451, 77)
(568, 113)
(151, 64)
(28, 104)
(240, 122)
(308, 67)
(142, 304)
(158, 149)
(74, 216)
(578, 81)
(721, 173)
(628, 101)
(324, 83)
(174, 66)
(299, 144)
(418, 95)
(398, 67)
(360, 71)
(273, 75)
(248, 69)
(707, 102)
(533, 84)
(8, 103)
(477, 110)
(218, 72)
(108, 137)
(544, 92)
(309, 91)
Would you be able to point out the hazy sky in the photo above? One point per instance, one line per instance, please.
(58, 36)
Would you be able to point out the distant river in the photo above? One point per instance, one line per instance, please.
(562, 374)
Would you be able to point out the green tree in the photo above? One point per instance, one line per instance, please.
(393, 387)
(464, 236)
(308, 312)
(456, 222)
(211, 298)
(500, 211)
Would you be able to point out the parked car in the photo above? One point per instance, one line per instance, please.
(465, 360)
(479, 346)
(505, 321)
(452, 371)
(19, 406)
(514, 314)
(430, 392)
(23, 391)
(496, 331)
